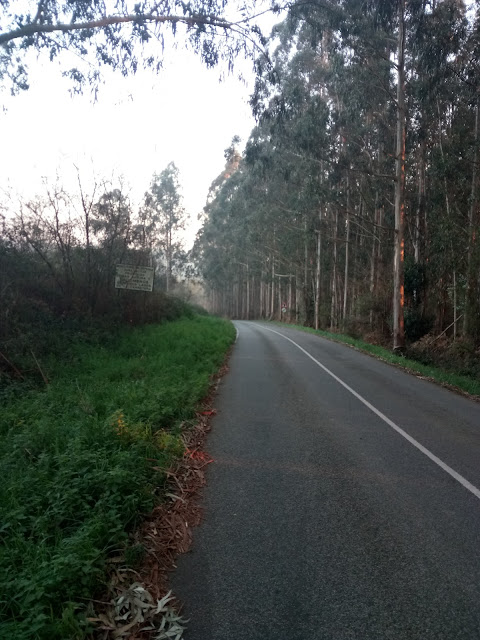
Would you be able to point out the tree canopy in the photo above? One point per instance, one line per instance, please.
(123, 35)
(365, 154)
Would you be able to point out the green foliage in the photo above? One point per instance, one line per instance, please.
(309, 214)
(76, 464)
(57, 274)
(124, 35)
(164, 215)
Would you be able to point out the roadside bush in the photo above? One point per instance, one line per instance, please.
(77, 462)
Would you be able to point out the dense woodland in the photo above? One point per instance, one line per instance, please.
(58, 255)
(356, 204)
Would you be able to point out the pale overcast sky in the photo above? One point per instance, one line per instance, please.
(138, 125)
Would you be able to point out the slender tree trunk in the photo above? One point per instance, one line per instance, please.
(373, 260)
(399, 255)
(169, 260)
(454, 305)
(248, 295)
(471, 320)
(333, 306)
(356, 288)
(420, 202)
(290, 298)
(280, 301)
(317, 276)
(272, 305)
(254, 298)
(347, 250)
(261, 296)
(305, 267)
(297, 298)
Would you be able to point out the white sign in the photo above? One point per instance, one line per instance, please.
(128, 276)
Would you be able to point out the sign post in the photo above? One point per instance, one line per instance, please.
(130, 276)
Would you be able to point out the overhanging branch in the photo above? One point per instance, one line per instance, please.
(35, 28)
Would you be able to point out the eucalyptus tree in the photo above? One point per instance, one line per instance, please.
(124, 35)
(442, 139)
(364, 158)
(327, 101)
(164, 213)
(468, 71)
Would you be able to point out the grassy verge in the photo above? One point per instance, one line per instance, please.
(463, 383)
(76, 464)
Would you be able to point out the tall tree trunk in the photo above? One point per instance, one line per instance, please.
(419, 213)
(290, 298)
(253, 307)
(169, 260)
(333, 306)
(280, 301)
(454, 305)
(305, 267)
(248, 295)
(262, 290)
(317, 275)
(297, 298)
(347, 249)
(373, 261)
(272, 304)
(399, 255)
(471, 320)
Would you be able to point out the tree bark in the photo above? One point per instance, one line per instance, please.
(347, 246)
(290, 298)
(272, 306)
(305, 267)
(419, 214)
(399, 254)
(297, 299)
(471, 320)
(317, 276)
(333, 306)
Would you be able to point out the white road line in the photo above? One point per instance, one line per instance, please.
(463, 481)
(238, 333)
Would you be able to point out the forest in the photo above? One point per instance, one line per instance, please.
(355, 206)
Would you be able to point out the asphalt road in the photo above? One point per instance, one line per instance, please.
(327, 518)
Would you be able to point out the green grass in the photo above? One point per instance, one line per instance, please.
(465, 383)
(76, 464)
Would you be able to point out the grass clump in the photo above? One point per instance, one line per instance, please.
(77, 462)
(469, 384)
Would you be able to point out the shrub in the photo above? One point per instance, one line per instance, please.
(79, 464)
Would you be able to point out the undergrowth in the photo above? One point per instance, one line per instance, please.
(469, 384)
(77, 464)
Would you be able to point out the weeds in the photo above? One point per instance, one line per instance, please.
(80, 465)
